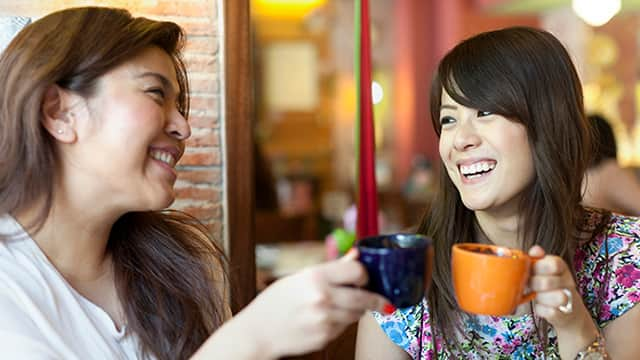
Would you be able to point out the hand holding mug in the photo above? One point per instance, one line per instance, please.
(308, 309)
(557, 299)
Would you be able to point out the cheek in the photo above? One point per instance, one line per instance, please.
(443, 148)
(518, 145)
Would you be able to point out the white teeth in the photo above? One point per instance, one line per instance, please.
(163, 156)
(471, 170)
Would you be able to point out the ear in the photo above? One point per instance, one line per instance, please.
(56, 118)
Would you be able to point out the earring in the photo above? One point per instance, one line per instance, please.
(59, 131)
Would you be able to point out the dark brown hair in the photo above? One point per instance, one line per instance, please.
(169, 275)
(527, 76)
(605, 140)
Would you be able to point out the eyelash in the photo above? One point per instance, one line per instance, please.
(445, 120)
(483, 113)
(157, 91)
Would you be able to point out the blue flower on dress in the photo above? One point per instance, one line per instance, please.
(615, 311)
(396, 332)
(615, 245)
(408, 314)
(491, 331)
(508, 336)
(522, 352)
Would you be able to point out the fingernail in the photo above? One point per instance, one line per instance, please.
(389, 309)
(350, 255)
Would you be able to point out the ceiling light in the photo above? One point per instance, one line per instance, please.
(596, 12)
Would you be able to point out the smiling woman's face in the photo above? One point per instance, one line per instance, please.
(487, 156)
(130, 135)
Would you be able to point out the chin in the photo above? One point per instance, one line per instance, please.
(475, 204)
(160, 203)
(165, 204)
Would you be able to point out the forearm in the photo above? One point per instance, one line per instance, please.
(576, 338)
(224, 343)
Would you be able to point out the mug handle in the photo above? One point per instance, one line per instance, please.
(532, 294)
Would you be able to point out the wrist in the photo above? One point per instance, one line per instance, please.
(577, 337)
(594, 351)
(249, 329)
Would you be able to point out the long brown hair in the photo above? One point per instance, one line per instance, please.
(527, 76)
(169, 275)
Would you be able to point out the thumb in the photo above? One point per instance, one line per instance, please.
(536, 251)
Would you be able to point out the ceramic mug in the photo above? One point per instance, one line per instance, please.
(399, 266)
(489, 279)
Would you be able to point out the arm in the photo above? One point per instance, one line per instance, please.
(373, 343)
(297, 314)
(622, 334)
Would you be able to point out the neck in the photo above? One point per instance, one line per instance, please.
(502, 229)
(73, 236)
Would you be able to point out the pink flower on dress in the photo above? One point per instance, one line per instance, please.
(606, 312)
(579, 258)
(628, 275)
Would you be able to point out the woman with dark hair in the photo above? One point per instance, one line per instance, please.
(606, 185)
(93, 108)
(514, 144)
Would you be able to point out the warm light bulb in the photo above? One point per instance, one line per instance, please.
(596, 12)
(376, 92)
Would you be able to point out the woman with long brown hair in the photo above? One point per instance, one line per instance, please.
(93, 108)
(515, 144)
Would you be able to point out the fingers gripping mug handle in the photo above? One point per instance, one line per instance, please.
(532, 294)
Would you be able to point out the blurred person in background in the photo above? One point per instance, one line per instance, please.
(606, 185)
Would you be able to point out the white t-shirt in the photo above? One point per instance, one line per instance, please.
(42, 317)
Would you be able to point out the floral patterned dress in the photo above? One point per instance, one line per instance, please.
(514, 337)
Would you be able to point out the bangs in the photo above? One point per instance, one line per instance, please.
(478, 78)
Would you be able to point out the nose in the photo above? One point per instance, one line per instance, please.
(466, 136)
(177, 126)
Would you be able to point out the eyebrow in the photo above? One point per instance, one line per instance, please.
(165, 82)
(446, 106)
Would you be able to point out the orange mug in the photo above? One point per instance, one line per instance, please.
(489, 279)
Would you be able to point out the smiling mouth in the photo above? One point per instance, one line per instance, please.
(163, 156)
(476, 170)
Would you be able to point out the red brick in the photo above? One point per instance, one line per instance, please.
(204, 137)
(204, 121)
(206, 212)
(201, 63)
(209, 85)
(183, 8)
(208, 176)
(199, 193)
(208, 45)
(204, 103)
(210, 157)
(197, 26)
(215, 229)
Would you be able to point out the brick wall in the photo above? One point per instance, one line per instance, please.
(200, 184)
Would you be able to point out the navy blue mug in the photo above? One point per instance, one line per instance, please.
(399, 266)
